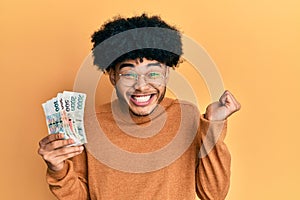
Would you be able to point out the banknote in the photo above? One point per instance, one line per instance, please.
(74, 112)
(53, 117)
(64, 114)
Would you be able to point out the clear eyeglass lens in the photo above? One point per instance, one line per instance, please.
(130, 78)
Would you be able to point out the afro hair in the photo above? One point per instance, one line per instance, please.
(133, 38)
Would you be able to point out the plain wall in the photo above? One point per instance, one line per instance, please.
(255, 45)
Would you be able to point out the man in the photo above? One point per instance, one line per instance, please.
(140, 121)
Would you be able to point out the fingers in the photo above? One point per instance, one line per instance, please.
(62, 154)
(54, 149)
(54, 141)
(50, 138)
(228, 100)
(56, 159)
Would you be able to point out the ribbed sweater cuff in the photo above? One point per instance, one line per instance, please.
(58, 175)
(217, 128)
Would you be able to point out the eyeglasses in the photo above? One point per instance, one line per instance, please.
(130, 78)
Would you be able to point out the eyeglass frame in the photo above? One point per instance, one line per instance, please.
(164, 77)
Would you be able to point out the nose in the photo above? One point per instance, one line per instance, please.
(140, 83)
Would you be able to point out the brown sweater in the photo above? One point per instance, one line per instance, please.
(154, 163)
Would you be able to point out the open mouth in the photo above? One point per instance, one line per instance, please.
(142, 100)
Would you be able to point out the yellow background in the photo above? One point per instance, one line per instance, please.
(255, 45)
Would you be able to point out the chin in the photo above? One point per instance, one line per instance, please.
(142, 111)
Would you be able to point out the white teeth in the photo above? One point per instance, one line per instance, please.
(142, 98)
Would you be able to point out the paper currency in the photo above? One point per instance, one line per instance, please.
(64, 114)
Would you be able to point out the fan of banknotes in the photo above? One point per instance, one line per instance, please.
(64, 114)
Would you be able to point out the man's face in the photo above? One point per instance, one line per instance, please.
(140, 85)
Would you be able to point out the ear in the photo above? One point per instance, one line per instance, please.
(112, 76)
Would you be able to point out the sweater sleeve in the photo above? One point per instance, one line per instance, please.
(213, 170)
(71, 182)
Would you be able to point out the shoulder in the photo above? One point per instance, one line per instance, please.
(182, 108)
(104, 108)
(183, 104)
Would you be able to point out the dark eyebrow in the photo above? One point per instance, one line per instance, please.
(132, 65)
(126, 65)
(154, 64)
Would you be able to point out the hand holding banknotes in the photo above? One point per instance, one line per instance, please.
(64, 118)
(55, 150)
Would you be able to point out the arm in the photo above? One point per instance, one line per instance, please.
(213, 170)
(66, 173)
(71, 181)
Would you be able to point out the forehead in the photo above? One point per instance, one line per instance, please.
(138, 63)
